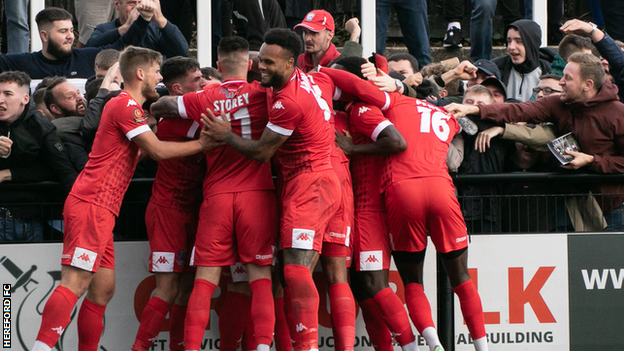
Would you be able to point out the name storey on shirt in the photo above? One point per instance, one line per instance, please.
(230, 104)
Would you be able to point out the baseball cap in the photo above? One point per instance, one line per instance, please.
(488, 67)
(496, 83)
(317, 20)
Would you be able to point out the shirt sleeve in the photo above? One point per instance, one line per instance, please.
(368, 120)
(131, 121)
(284, 116)
(190, 106)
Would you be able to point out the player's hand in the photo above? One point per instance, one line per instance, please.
(413, 80)
(353, 27)
(482, 142)
(112, 80)
(384, 82)
(459, 110)
(369, 70)
(345, 142)
(580, 160)
(218, 127)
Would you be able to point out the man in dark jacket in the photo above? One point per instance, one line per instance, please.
(521, 69)
(58, 57)
(589, 108)
(30, 151)
(162, 35)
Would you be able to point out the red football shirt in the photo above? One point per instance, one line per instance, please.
(114, 156)
(245, 106)
(300, 111)
(178, 180)
(365, 123)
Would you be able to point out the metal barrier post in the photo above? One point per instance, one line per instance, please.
(369, 15)
(35, 40)
(204, 33)
(446, 320)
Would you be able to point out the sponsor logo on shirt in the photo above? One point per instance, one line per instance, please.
(362, 110)
(278, 106)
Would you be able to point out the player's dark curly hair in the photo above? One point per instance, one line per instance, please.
(286, 38)
(351, 64)
(177, 67)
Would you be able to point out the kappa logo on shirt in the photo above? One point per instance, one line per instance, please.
(362, 110)
(59, 330)
(278, 106)
(300, 327)
(132, 103)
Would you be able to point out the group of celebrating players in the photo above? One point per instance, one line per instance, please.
(367, 182)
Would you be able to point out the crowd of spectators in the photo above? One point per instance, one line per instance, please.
(47, 134)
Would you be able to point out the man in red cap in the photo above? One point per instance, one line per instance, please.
(318, 31)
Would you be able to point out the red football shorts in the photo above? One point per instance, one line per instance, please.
(340, 225)
(171, 235)
(245, 223)
(88, 236)
(418, 205)
(309, 202)
(371, 244)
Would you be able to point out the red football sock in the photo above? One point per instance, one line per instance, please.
(176, 327)
(249, 341)
(378, 332)
(56, 315)
(294, 337)
(90, 325)
(198, 313)
(395, 316)
(342, 307)
(282, 334)
(262, 311)
(152, 319)
(418, 306)
(233, 318)
(305, 301)
(471, 308)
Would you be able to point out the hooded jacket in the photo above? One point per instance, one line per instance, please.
(37, 154)
(521, 79)
(304, 61)
(597, 124)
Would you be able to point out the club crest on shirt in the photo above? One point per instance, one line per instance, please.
(138, 115)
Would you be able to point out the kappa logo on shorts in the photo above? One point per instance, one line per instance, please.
(462, 239)
(163, 262)
(84, 259)
(371, 260)
(278, 106)
(302, 239)
(300, 327)
(239, 273)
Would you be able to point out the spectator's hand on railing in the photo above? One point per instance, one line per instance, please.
(459, 110)
(353, 27)
(575, 26)
(482, 142)
(112, 80)
(134, 14)
(5, 146)
(413, 80)
(580, 160)
(345, 142)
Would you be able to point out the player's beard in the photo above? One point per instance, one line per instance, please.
(275, 81)
(149, 92)
(57, 51)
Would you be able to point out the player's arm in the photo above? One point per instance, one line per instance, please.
(166, 106)
(352, 84)
(258, 150)
(163, 150)
(389, 141)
